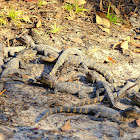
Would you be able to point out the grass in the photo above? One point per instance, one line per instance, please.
(55, 28)
(13, 14)
(75, 7)
(112, 17)
(41, 2)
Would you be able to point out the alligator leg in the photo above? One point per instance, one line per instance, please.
(96, 117)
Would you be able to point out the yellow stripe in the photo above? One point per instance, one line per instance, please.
(101, 70)
(105, 73)
(84, 102)
(61, 109)
(68, 109)
(56, 109)
(95, 100)
(74, 110)
(86, 110)
(95, 65)
(110, 77)
(88, 101)
(80, 110)
(50, 111)
(47, 114)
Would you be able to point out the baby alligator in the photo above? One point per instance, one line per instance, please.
(67, 87)
(97, 111)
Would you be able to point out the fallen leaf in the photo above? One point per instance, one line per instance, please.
(26, 18)
(78, 2)
(127, 38)
(101, 19)
(66, 126)
(38, 23)
(77, 40)
(111, 59)
(116, 45)
(105, 29)
(138, 122)
(115, 9)
(2, 91)
(101, 5)
(124, 45)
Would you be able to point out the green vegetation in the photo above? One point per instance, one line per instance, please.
(75, 7)
(13, 14)
(112, 17)
(68, 7)
(10, 13)
(41, 2)
(55, 28)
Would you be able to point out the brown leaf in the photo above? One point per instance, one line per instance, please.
(101, 5)
(2, 91)
(124, 45)
(105, 29)
(38, 23)
(101, 19)
(77, 40)
(66, 126)
(138, 122)
(111, 59)
(115, 9)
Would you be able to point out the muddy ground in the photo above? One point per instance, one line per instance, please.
(23, 103)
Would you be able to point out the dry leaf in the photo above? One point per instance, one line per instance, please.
(101, 5)
(115, 9)
(77, 40)
(26, 18)
(124, 45)
(101, 19)
(38, 23)
(78, 2)
(127, 38)
(138, 122)
(116, 45)
(105, 29)
(2, 91)
(110, 59)
(66, 126)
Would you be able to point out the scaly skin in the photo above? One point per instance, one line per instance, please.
(64, 57)
(75, 56)
(67, 87)
(90, 64)
(126, 88)
(135, 97)
(100, 110)
(90, 101)
(13, 65)
(101, 83)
